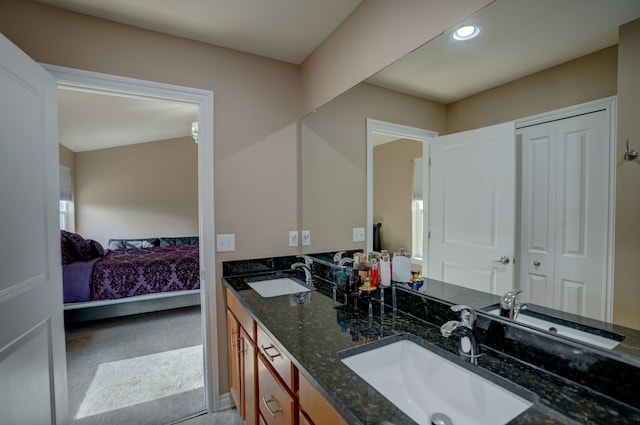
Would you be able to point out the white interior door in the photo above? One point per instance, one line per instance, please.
(33, 380)
(565, 214)
(472, 208)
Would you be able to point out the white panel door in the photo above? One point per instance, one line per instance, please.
(565, 214)
(33, 381)
(472, 208)
(537, 216)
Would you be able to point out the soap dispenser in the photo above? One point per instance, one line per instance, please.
(401, 266)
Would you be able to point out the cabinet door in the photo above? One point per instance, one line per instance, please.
(248, 360)
(233, 338)
(315, 405)
(276, 406)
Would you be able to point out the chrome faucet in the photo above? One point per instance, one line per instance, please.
(307, 272)
(510, 306)
(337, 256)
(464, 330)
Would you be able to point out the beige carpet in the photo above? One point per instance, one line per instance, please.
(143, 370)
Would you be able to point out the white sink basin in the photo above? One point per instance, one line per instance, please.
(277, 287)
(420, 383)
(565, 331)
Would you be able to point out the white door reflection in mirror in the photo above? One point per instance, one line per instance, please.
(564, 203)
(473, 208)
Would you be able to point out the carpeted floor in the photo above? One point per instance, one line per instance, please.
(144, 370)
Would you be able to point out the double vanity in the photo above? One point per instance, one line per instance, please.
(303, 354)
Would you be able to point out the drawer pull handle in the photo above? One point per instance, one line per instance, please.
(266, 404)
(271, 357)
(241, 344)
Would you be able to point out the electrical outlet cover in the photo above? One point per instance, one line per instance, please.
(358, 234)
(293, 238)
(226, 243)
(306, 237)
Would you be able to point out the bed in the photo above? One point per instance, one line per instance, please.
(130, 276)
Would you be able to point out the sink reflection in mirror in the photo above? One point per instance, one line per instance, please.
(422, 383)
(577, 332)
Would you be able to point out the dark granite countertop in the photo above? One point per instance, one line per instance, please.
(313, 333)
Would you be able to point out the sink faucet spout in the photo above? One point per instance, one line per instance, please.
(464, 330)
(308, 277)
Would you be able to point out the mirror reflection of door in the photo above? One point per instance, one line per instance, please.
(564, 213)
(472, 208)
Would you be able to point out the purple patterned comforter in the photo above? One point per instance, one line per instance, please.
(135, 271)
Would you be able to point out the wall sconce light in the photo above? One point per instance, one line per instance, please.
(630, 155)
(194, 131)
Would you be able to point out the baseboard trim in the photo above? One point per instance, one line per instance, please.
(225, 402)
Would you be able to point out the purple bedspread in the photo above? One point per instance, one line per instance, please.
(130, 272)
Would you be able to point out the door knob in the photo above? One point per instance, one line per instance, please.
(503, 260)
(536, 263)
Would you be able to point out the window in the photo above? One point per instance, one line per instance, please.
(417, 214)
(65, 215)
(417, 209)
(66, 205)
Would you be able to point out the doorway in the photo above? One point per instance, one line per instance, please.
(79, 79)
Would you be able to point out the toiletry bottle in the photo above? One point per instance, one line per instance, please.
(401, 266)
(384, 270)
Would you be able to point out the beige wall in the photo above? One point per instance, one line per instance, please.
(587, 78)
(256, 107)
(67, 156)
(376, 34)
(627, 235)
(141, 190)
(393, 191)
(333, 158)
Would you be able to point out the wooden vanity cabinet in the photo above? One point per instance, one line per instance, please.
(264, 383)
(242, 360)
(314, 408)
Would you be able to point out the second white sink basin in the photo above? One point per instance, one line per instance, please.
(277, 287)
(420, 383)
(566, 331)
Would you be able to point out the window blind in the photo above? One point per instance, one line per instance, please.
(65, 183)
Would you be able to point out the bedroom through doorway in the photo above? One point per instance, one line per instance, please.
(139, 181)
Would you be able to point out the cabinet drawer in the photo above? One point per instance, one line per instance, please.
(276, 406)
(315, 405)
(276, 357)
(245, 320)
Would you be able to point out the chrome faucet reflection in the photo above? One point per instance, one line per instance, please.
(308, 277)
(510, 306)
(464, 330)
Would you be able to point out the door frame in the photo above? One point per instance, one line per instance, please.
(105, 83)
(608, 104)
(407, 132)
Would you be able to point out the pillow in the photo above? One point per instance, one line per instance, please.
(81, 246)
(66, 249)
(96, 249)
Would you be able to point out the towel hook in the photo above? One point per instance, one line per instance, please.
(630, 155)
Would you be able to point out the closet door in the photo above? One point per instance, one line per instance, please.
(564, 210)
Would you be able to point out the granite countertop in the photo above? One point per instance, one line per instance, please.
(313, 333)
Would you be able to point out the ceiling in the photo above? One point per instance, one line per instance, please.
(519, 37)
(285, 30)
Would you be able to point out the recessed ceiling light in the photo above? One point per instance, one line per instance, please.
(466, 32)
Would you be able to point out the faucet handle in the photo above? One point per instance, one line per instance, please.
(308, 261)
(467, 315)
(509, 298)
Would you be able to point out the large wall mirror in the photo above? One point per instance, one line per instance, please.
(530, 58)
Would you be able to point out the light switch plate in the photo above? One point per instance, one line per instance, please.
(306, 237)
(293, 238)
(226, 243)
(358, 234)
